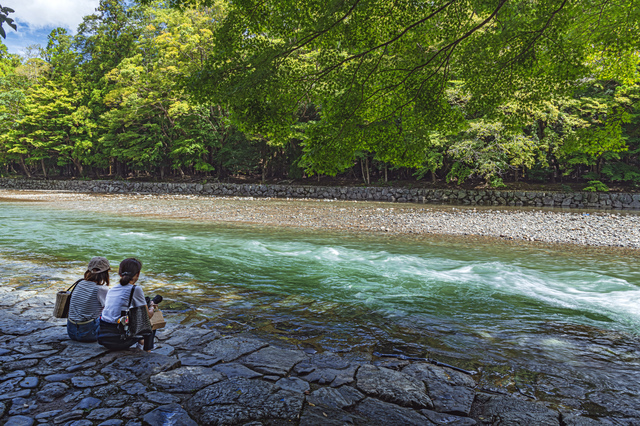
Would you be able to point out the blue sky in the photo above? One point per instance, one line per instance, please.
(36, 18)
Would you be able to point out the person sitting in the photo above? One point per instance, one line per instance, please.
(87, 301)
(117, 304)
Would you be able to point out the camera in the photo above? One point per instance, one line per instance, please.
(156, 300)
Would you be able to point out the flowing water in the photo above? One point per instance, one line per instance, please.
(558, 324)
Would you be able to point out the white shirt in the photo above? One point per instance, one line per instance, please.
(118, 299)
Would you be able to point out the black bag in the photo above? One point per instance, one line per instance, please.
(63, 300)
(134, 321)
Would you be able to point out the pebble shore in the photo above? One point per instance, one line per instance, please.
(594, 228)
(199, 376)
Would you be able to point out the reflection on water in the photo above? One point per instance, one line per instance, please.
(559, 324)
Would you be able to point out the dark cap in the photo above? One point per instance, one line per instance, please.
(99, 264)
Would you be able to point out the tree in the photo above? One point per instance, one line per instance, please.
(381, 70)
(4, 19)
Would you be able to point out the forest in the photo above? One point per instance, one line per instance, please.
(486, 93)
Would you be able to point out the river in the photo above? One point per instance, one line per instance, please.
(559, 324)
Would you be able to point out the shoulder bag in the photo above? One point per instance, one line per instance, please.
(63, 299)
(134, 321)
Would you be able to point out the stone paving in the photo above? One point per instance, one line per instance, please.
(200, 376)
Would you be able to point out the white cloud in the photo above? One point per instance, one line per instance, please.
(38, 14)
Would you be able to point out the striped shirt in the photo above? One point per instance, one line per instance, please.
(118, 299)
(87, 301)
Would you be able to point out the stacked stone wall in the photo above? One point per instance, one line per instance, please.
(605, 200)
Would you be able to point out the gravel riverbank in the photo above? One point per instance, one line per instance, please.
(600, 228)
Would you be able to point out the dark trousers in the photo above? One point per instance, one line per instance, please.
(109, 337)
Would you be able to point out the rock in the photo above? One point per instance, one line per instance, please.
(39, 355)
(15, 325)
(172, 414)
(143, 407)
(274, 361)
(329, 360)
(20, 406)
(19, 421)
(429, 372)
(445, 419)
(161, 398)
(164, 349)
(58, 377)
(80, 423)
(140, 365)
(102, 413)
(10, 387)
(233, 348)
(29, 382)
(236, 370)
(129, 412)
(188, 338)
(575, 420)
(71, 415)
(186, 379)
(54, 334)
(327, 416)
(293, 384)
(501, 409)
(47, 415)
(76, 396)
(111, 422)
(134, 388)
(197, 359)
(450, 390)
(79, 352)
(88, 403)
(51, 391)
(451, 399)
(241, 400)
(20, 365)
(12, 375)
(392, 414)
(117, 401)
(106, 391)
(335, 378)
(393, 386)
(88, 381)
(342, 397)
(78, 367)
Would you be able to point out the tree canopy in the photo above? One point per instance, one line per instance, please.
(446, 90)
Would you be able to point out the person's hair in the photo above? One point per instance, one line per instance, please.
(128, 269)
(99, 278)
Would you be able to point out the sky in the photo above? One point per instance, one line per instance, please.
(36, 18)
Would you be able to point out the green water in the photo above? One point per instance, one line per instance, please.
(533, 318)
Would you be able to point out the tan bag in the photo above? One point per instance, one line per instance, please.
(157, 320)
(63, 299)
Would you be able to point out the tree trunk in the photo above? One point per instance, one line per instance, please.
(78, 165)
(24, 166)
(44, 169)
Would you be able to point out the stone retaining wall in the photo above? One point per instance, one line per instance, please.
(401, 195)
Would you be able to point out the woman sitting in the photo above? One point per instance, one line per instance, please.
(117, 304)
(87, 301)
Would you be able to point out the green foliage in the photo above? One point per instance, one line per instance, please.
(461, 91)
(4, 19)
(596, 185)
